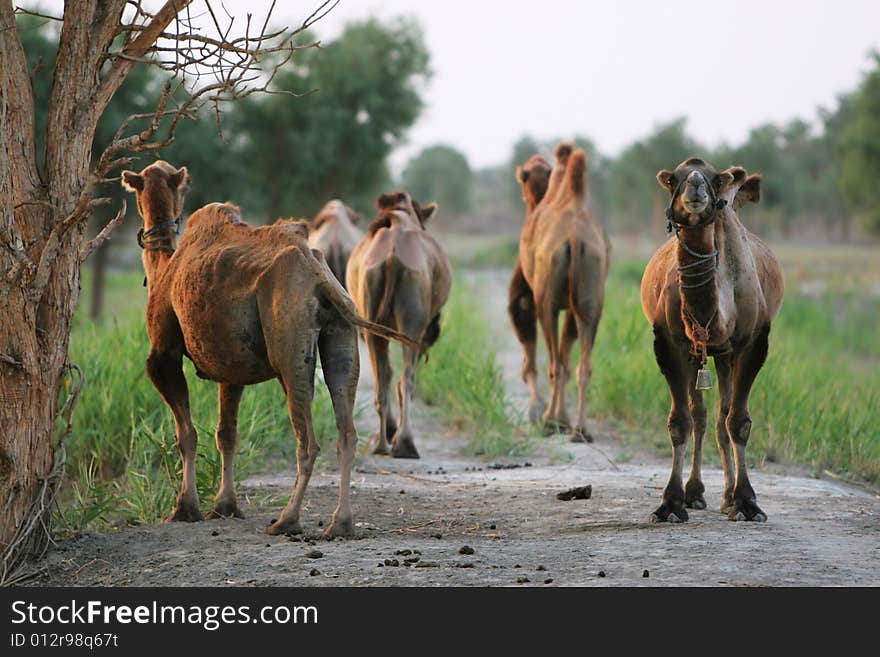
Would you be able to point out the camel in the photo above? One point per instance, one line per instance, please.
(245, 305)
(534, 177)
(712, 289)
(399, 276)
(334, 233)
(564, 256)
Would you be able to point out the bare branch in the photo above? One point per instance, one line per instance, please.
(104, 235)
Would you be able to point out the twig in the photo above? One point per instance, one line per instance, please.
(102, 236)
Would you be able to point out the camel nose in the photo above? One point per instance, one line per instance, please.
(696, 179)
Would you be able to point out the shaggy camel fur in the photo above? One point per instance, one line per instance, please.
(334, 233)
(399, 276)
(245, 305)
(711, 290)
(564, 254)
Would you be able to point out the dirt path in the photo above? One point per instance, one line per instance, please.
(820, 532)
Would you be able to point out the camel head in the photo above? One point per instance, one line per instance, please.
(534, 177)
(698, 191)
(404, 210)
(337, 211)
(159, 190)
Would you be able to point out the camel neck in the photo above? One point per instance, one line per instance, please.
(697, 257)
(158, 241)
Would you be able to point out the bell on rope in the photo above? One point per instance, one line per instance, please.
(704, 379)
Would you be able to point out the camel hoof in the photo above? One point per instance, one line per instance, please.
(185, 513)
(693, 494)
(581, 435)
(225, 509)
(670, 511)
(746, 511)
(404, 449)
(280, 527)
(339, 529)
(381, 450)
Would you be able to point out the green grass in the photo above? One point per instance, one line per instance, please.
(463, 380)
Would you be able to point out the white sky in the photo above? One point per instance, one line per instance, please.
(611, 70)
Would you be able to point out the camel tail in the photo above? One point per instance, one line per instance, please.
(576, 173)
(336, 295)
(384, 310)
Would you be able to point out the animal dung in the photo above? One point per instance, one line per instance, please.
(645, 573)
(466, 549)
(576, 493)
(314, 554)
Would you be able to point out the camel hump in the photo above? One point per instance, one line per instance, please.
(576, 173)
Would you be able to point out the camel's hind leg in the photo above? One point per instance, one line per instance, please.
(680, 376)
(556, 416)
(746, 366)
(694, 489)
(298, 378)
(521, 309)
(166, 373)
(228, 397)
(382, 373)
(339, 360)
(587, 323)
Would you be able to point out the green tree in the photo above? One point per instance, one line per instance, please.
(440, 173)
(334, 142)
(859, 147)
(634, 196)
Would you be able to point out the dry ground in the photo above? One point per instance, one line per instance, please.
(820, 531)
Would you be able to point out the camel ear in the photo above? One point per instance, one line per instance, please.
(734, 176)
(180, 179)
(749, 192)
(563, 150)
(664, 177)
(427, 211)
(385, 201)
(133, 182)
(522, 176)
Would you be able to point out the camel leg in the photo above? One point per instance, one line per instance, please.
(410, 314)
(382, 373)
(298, 378)
(166, 373)
(225, 504)
(339, 359)
(746, 366)
(555, 417)
(680, 377)
(586, 332)
(521, 309)
(694, 489)
(723, 369)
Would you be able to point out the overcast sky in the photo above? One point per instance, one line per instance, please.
(611, 70)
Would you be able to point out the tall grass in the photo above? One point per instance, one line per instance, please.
(123, 464)
(463, 379)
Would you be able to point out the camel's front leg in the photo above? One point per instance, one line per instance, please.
(739, 426)
(166, 372)
(694, 489)
(225, 504)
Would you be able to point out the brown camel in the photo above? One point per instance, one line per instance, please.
(534, 177)
(245, 305)
(711, 290)
(400, 277)
(335, 234)
(564, 256)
